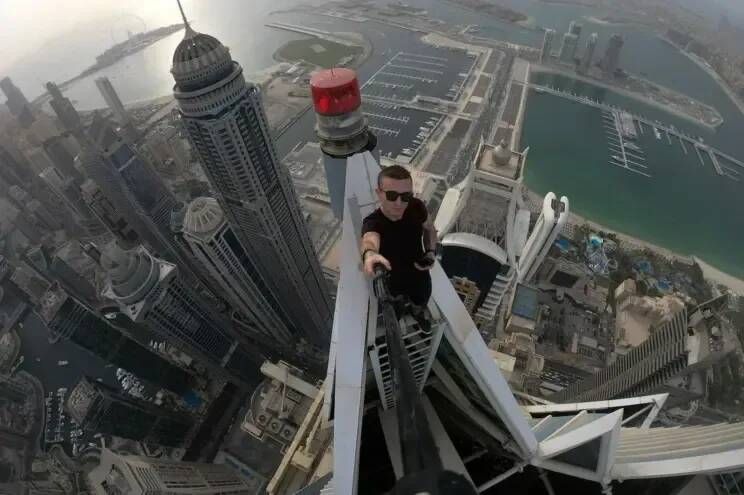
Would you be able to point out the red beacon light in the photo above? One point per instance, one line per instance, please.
(335, 91)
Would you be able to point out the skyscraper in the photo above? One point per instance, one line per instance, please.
(103, 209)
(587, 58)
(547, 45)
(69, 319)
(643, 370)
(112, 100)
(134, 475)
(17, 103)
(149, 290)
(215, 245)
(12, 171)
(568, 48)
(575, 27)
(549, 224)
(62, 158)
(16, 412)
(611, 60)
(64, 109)
(138, 193)
(69, 266)
(68, 193)
(228, 129)
(102, 409)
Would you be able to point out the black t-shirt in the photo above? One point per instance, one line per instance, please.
(401, 241)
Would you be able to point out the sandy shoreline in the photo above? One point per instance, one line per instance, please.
(711, 273)
(710, 71)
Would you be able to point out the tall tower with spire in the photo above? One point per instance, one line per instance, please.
(228, 128)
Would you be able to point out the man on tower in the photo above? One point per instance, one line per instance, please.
(401, 236)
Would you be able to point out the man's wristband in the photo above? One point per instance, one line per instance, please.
(364, 254)
(430, 251)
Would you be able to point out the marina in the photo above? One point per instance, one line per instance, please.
(620, 128)
(619, 117)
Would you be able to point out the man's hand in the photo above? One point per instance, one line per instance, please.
(371, 259)
(426, 262)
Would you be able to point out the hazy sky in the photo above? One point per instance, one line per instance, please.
(27, 25)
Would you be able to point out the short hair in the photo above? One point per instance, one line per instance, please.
(393, 172)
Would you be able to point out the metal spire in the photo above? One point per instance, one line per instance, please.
(189, 32)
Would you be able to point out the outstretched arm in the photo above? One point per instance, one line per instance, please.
(371, 253)
(430, 235)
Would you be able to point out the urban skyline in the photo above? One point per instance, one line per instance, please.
(182, 306)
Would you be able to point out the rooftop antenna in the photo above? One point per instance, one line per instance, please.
(189, 32)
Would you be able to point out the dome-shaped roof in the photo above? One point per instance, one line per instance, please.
(131, 274)
(195, 45)
(502, 154)
(203, 216)
(199, 61)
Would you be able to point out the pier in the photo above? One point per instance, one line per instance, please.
(697, 143)
(716, 163)
(700, 157)
(627, 156)
(682, 143)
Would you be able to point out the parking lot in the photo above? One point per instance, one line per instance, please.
(435, 73)
(400, 131)
(446, 155)
(480, 89)
(512, 104)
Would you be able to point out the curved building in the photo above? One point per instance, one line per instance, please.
(549, 224)
(480, 272)
(228, 129)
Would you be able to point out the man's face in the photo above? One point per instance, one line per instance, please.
(394, 209)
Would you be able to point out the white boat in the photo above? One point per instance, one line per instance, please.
(62, 363)
(633, 147)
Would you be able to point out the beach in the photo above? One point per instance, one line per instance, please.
(711, 72)
(711, 273)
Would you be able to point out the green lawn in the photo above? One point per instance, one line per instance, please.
(316, 51)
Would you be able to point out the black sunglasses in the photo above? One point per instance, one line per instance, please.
(394, 195)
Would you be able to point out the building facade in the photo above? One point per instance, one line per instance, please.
(139, 194)
(112, 100)
(104, 210)
(568, 48)
(547, 46)
(17, 103)
(149, 290)
(66, 113)
(549, 224)
(588, 57)
(641, 371)
(216, 246)
(102, 409)
(69, 319)
(611, 60)
(227, 128)
(134, 475)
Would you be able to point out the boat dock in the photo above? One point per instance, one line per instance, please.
(625, 155)
(700, 157)
(658, 127)
(682, 143)
(716, 163)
